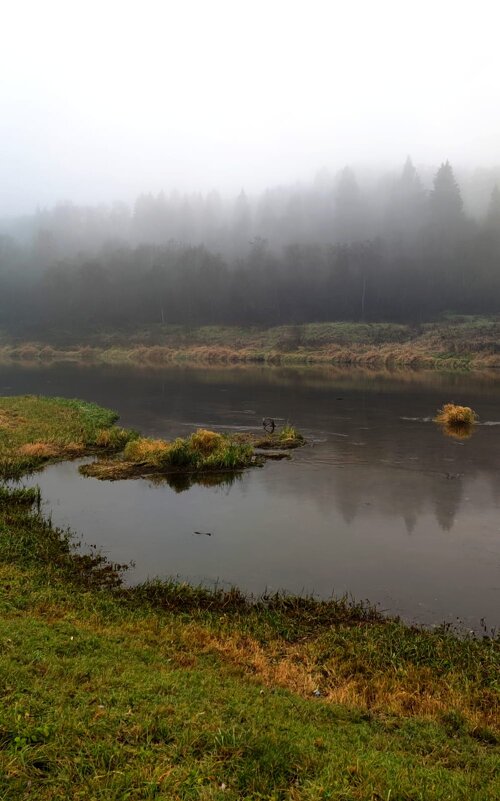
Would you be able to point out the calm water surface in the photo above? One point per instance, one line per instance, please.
(379, 504)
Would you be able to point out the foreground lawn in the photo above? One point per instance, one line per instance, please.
(164, 692)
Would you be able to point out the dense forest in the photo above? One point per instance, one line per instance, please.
(395, 247)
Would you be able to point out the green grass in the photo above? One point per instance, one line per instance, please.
(172, 692)
(35, 430)
(26, 496)
(290, 436)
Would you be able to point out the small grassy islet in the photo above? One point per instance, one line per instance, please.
(201, 452)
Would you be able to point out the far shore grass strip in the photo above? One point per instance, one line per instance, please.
(453, 343)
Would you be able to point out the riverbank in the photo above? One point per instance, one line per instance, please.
(162, 691)
(165, 691)
(462, 343)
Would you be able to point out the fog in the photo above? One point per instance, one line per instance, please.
(101, 102)
(261, 164)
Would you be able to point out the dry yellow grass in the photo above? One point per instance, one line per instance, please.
(206, 441)
(144, 449)
(295, 667)
(43, 450)
(452, 414)
(417, 692)
(74, 448)
(50, 450)
(103, 438)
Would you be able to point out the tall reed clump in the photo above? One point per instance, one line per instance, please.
(453, 415)
(113, 438)
(456, 421)
(143, 449)
(203, 450)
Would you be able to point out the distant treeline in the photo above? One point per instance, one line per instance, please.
(342, 257)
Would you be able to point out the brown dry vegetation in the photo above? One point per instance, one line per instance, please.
(452, 414)
(40, 450)
(10, 419)
(143, 450)
(302, 669)
(463, 343)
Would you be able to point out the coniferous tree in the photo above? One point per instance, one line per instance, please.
(445, 200)
(242, 222)
(349, 212)
(406, 205)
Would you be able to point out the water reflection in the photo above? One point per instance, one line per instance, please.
(458, 431)
(182, 482)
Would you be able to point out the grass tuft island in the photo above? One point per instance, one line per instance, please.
(166, 691)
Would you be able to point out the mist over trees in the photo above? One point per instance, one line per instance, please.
(345, 247)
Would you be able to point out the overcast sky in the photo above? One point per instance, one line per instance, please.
(102, 100)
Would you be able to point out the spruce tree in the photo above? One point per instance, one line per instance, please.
(349, 210)
(445, 200)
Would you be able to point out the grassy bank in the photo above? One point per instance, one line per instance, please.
(453, 343)
(35, 431)
(163, 691)
(167, 692)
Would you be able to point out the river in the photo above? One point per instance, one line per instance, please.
(379, 504)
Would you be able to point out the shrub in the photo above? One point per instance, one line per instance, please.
(453, 415)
